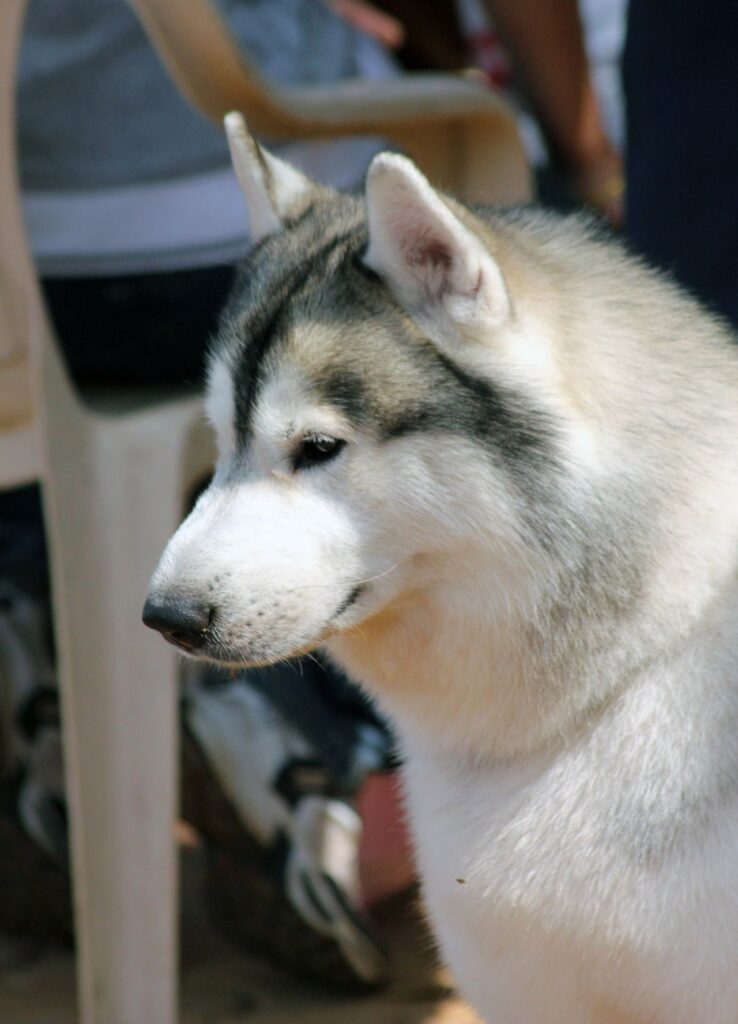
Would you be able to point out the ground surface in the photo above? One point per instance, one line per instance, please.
(221, 985)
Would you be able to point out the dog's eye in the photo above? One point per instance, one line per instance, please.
(316, 448)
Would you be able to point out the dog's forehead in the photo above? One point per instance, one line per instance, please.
(311, 324)
(291, 402)
(336, 368)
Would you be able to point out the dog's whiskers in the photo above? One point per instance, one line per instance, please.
(379, 575)
(356, 631)
(358, 583)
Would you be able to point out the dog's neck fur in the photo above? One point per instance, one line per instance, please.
(470, 681)
(484, 684)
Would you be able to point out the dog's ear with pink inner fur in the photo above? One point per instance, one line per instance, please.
(429, 259)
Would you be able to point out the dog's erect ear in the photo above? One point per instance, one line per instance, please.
(273, 189)
(424, 252)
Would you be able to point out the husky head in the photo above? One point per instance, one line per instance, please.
(402, 439)
(344, 391)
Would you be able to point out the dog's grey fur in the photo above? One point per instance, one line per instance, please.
(529, 555)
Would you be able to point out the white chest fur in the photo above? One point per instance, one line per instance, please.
(579, 886)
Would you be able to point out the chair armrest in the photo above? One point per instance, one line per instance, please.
(458, 131)
(202, 58)
(364, 106)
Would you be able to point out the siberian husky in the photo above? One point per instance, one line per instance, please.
(489, 461)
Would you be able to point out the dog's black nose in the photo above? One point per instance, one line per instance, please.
(180, 620)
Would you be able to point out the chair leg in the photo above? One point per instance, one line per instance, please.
(120, 739)
(120, 722)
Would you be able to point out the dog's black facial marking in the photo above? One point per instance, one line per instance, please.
(455, 402)
(522, 433)
(344, 389)
(282, 275)
(263, 331)
(414, 420)
(304, 215)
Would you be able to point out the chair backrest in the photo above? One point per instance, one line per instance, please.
(461, 134)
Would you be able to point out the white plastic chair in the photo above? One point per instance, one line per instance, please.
(114, 480)
(462, 135)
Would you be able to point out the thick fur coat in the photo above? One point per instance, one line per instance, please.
(489, 461)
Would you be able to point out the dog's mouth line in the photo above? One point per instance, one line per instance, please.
(211, 650)
(349, 600)
(239, 663)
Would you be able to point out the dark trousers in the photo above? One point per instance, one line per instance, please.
(144, 329)
(680, 71)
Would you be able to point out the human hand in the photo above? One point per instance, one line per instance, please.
(371, 21)
(601, 187)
